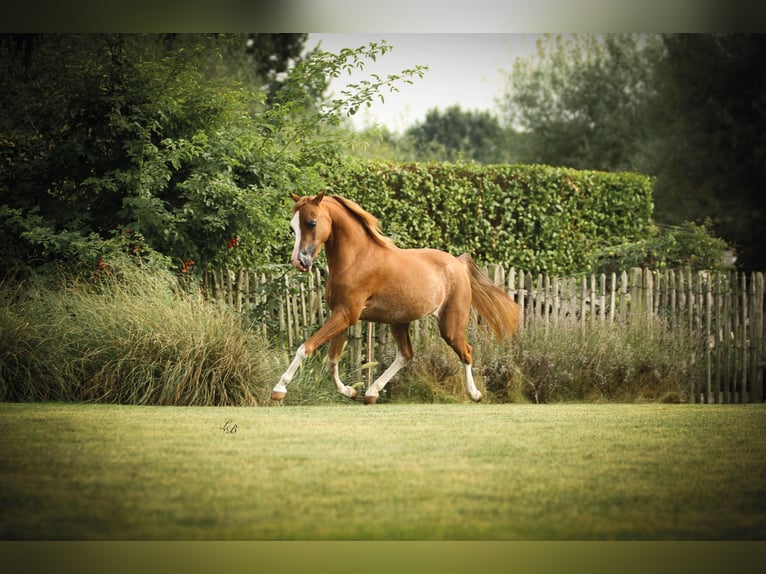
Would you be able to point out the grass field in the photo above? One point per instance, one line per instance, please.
(389, 472)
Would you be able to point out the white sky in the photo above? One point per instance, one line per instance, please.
(463, 69)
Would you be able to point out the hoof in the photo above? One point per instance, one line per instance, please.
(369, 400)
(277, 396)
(353, 394)
(478, 399)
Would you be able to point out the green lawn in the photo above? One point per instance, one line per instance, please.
(393, 472)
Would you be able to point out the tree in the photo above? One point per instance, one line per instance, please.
(111, 141)
(580, 101)
(257, 61)
(688, 109)
(456, 134)
(709, 148)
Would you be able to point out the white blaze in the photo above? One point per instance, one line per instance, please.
(296, 226)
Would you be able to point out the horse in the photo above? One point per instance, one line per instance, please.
(370, 278)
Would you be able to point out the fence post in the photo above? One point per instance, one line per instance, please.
(583, 302)
(674, 288)
(602, 297)
(718, 329)
(370, 352)
(707, 302)
(727, 333)
(593, 299)
(687, 317)
(512, 283)
(522, 301)
(756, 337)
(624, 296)
(648, 287)
(547, 303)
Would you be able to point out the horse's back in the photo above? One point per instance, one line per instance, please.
(433, 265)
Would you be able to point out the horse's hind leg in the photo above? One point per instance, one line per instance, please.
(336, 347)
(404, 353)
(452, 326)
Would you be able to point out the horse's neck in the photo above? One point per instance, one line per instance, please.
(350, 243)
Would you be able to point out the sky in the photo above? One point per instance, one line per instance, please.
(463, 69)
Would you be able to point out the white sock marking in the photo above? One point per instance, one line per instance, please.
(388, 374)
(470, 385)
(281, 386)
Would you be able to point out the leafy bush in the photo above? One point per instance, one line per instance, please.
(687, 246)
(107, 133)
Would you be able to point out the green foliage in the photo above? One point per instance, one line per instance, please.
(457, 135)
(684, 108)
(107, 133)
(687, 246)
(536, 218)
(709, 147)
(453, 135)
(580, 102)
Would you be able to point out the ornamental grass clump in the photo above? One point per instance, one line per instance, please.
(639, 360)
(133, 340)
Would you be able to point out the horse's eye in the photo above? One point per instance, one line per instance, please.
(311, 224)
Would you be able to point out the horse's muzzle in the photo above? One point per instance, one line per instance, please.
(303, 262)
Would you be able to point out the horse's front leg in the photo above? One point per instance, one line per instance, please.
(337, 323)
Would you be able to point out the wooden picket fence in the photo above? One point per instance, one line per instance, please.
(724, 308)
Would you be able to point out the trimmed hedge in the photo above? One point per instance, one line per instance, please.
(534, 217)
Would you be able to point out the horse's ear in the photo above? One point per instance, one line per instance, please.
(294, 196)
(318, 199)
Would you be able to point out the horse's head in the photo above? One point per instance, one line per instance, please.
(311, 224)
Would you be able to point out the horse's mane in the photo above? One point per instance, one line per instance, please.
(370, 223)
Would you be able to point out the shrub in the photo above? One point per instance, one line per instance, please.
(686, 246)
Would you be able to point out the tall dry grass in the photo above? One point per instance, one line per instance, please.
(641, 360)
(596, 362)
(137, 339)
(143, 339)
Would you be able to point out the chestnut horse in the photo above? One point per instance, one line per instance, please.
(370, 278)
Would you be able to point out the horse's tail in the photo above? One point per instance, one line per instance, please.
(491, 302)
